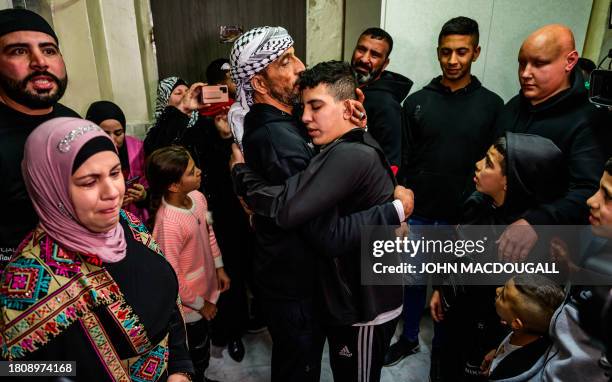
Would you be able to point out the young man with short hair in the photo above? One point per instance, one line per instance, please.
(450, 125)
(358, 320)
(266, 121)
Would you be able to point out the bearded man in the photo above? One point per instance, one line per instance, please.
(32, 79)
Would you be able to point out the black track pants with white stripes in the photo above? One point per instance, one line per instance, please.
(356, 353)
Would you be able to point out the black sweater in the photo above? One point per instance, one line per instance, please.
(362, 181)
(383, 99)
(566, 119)
(447, 133)
(15, 127)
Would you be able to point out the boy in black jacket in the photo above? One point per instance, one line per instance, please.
(352, 174)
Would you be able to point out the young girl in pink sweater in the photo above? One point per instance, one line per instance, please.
(187, 239)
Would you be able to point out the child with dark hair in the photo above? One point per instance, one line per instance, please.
(525, 304)
(185, 235)
(516, 173)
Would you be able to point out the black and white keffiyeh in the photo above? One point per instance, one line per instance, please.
(251, 53)
(164, 90)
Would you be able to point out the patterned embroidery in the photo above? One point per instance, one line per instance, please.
(140, 232)
(24, 282)
(50, 316)
(128, 320)
(63, 291)
(150, 366)
(106, 352)
(61, 262)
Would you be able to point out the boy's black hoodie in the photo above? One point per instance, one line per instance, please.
(448, 132)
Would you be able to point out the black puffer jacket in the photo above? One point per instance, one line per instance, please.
(566, 119)
(383, 99)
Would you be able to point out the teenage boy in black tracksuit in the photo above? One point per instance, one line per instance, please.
(276, 147)
(349, 174)
(449, 124)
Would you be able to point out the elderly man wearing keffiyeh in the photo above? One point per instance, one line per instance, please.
(265, 121)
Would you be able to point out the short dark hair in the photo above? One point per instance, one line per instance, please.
(379, 34)
(502, 147)
(608, 166)
(460, 25)
(540, 297)
(214, 74)
(164, 167)
(337, 75)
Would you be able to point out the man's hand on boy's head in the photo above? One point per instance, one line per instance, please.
(516, 241)
(358, 113)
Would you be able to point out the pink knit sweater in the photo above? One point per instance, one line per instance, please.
(188, 242)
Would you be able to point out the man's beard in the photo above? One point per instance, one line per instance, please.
(285, 96)
(366, 78)
(17, 91)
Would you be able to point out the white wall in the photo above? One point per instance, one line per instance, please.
(358, 16)
(323, 31)
(503, 24)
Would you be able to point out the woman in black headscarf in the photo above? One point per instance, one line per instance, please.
(111, 119)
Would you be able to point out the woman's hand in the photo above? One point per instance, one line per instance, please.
(209, 310)
(223, 280)
(137, 192)
(192, 99)
(222, 125)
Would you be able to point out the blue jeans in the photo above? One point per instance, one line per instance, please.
(415, 295)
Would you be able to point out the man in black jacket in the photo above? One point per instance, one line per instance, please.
(384, 91)
(553, 103)
(449, 125)
(32, 79)
(349, 175)
(264, 120)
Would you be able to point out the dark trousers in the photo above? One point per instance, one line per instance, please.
(356, 353)
(199, 346)
(297, 341)
(232, 308)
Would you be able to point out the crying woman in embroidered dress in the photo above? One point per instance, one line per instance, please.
(89, 284)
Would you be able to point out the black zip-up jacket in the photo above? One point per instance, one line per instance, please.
(566, 119)
(20, 217)
(383, 99)
(348, 175)
(275, 148)
(447, 133)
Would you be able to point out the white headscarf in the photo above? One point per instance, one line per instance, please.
(252, 52)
